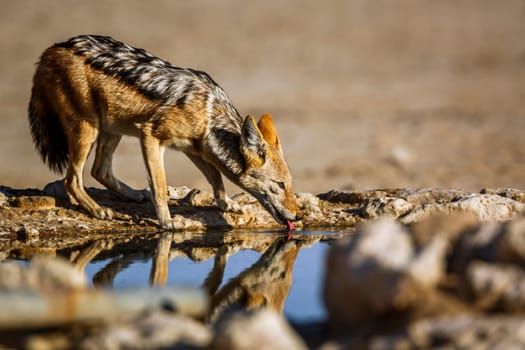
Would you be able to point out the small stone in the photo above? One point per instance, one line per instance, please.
(28, 234)
(82, 226)
(176, 193)
(196, 197)
(34, 202)
(400, 156)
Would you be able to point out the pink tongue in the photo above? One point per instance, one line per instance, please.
(289, 225)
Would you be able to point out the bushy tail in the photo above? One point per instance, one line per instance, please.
(48, 135)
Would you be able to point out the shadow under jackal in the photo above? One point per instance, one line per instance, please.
(94, 89)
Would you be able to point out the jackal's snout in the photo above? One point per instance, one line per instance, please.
(291, 205)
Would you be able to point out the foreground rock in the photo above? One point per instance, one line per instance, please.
(383, 271)
(460, 332)
(443, 281)
(157, 330)
(263, 329)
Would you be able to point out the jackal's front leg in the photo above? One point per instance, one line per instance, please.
(215, 179)
(153, 153)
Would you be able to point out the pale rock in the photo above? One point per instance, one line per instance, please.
(424, 196)
(491, 242)
(400, 156)
(54, 274)
(159, 330)
(466, 332)
(382, 243)
(363, 273)
(307, 202)
(511, 246)
(180, 222)
(486, 207)
(177, 193)
(309, 207)
(497, 286)
(511, 193)
(43, 273)
(196, 197)
(429, 265)
(451, 227)
(490, 207)
(386, 206)
(14, 276)
(379, 271)
(262, 329)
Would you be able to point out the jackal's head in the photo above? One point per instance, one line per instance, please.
(266, 175)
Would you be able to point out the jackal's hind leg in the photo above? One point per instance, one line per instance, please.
(102, 168)
(79, 147)
(215, 179)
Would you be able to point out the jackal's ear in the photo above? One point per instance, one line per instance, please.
(268, 130)
(252, 144)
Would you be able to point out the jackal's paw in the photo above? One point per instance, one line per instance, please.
(104, 213)
(229, 205)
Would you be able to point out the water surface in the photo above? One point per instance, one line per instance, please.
(264, 264)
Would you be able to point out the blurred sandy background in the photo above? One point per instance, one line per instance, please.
(365, 94)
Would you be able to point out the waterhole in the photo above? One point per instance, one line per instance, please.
(275, 269)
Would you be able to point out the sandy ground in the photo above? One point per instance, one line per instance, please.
(365, 94)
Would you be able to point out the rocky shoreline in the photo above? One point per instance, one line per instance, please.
(48, 210)
(423, 268)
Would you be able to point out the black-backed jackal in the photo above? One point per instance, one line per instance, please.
(96, 89)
